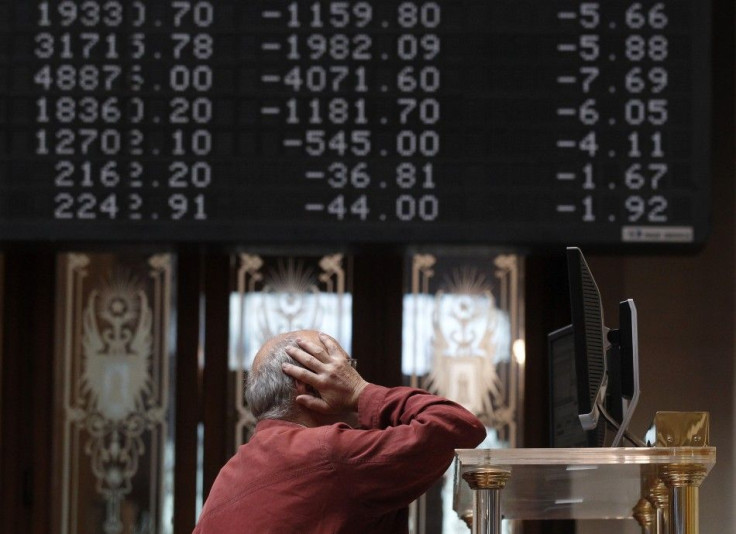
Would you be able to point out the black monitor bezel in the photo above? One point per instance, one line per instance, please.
(589, 335)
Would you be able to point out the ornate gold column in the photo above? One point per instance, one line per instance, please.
(684, 481)
(682, 429)
(487, 484)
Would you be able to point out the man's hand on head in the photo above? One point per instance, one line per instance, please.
(328, 371)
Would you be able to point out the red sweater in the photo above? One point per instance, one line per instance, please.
(336, 479)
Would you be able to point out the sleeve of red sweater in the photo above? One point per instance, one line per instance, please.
(407, 442)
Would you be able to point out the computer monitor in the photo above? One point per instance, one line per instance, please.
(606, 362)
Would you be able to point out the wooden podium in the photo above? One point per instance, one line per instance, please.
(658, 486)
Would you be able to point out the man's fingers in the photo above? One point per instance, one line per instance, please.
(304, 357)
(315, 349)
(332, 346)
(305, 375)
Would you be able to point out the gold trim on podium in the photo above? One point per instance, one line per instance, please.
(487, 483)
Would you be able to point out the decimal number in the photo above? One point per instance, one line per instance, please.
(408, 208)
(89, 206)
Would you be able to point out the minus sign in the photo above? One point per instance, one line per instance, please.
(270, 111)
(271, 47)
(315, 175)
(272, 14)
(314, 207)
(565, 208)
(567, 79)
(567, 47)
(270, 78)
(567, 15)
(565, 176)
(292, 142)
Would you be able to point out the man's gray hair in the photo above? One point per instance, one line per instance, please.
(269, 392)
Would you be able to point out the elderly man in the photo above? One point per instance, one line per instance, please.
(331, 452)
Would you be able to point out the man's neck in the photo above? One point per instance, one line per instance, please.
(312, 420)
(303, 419)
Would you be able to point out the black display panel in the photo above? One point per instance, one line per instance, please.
(494, 121)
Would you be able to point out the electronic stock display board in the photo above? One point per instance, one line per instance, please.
(458, 121)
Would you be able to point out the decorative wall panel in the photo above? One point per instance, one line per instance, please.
(276, 294)
(114, 431)
(463, 338)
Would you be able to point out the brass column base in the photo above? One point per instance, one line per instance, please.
(683, 481)
(487, 478)
(487, 484)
